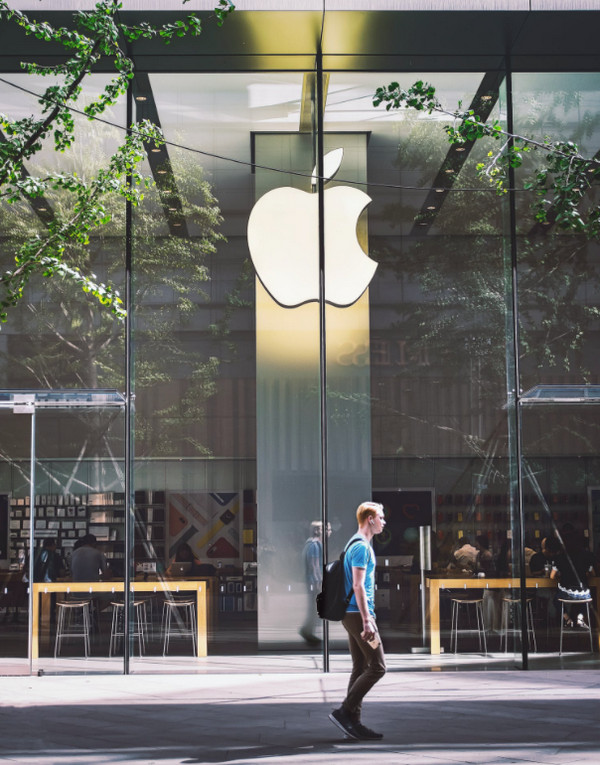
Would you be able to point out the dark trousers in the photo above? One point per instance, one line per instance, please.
(368, 665)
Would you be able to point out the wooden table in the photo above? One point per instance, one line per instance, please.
(436, 585)
(87, 589)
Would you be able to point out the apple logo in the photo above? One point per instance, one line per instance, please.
(284, 244)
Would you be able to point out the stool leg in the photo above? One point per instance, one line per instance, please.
(86, 629)
(167, 628)
(454, 626)
(562, 626)
(59, 630)
(193, 628)
(113, 631)
(140, 628)
(589, 626)
(531, 629)
(481, 626)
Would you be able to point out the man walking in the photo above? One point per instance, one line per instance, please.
(368, 660)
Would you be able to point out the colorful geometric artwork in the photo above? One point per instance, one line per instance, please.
(208, 521)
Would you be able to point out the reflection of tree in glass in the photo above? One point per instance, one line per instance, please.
(454, 281)
(67, 342)
(563, 174)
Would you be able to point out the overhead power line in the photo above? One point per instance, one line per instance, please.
(246, 163)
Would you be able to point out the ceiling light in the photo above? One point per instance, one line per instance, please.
(431, 207)
(161, 172)
(156, 151)
(177, 224)
(486, 98)
(440, 191)
(449, 170)
(460, 148)
(141, 98)
(172, 209)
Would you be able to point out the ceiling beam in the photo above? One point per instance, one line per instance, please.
(158, 157)
(482, 104)
(309, 98)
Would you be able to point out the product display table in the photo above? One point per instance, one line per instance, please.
(85, 590)
(436, 585)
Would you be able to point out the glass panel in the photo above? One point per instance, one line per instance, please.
(58, 337)
(421, 377)
(558, 272)
(79, 531)
(560, 500)
(15, 431)
(226, 380)
(558, 295)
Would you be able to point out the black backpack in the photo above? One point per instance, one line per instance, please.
(333, 599)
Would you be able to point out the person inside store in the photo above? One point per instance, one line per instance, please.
(49, 565)
(191, 567)
(443, 552)
(503, 562)
(540, 562)
(463, 562)
(465, 557)
(571, 566)
(485, 559)
(88, 563)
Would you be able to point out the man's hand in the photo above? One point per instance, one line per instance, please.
(369, 630)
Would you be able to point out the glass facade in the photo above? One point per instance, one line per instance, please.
(295, 346)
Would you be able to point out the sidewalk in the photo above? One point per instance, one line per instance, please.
(428, 718)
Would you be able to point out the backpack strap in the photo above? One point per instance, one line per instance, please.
(342, 556)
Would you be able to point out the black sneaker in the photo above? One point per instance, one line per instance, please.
(342, 720)
(366, 734)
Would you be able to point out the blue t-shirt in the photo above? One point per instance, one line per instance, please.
(360, 555)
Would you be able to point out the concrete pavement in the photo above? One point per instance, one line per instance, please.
(429, 718)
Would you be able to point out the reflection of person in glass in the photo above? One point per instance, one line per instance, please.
(570, 566)
(312, 560)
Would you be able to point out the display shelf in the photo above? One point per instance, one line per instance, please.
(68, 517)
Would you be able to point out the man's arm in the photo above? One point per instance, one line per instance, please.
(358, 585)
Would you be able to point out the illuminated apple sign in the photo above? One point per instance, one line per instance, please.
(284, 243)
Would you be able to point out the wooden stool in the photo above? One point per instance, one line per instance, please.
(588, 625)
(186, 626)
(511, 605)
(68, 625)
(117, 630)
(477, 603)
